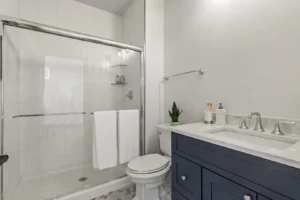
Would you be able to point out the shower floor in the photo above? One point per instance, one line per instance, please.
(61, 183)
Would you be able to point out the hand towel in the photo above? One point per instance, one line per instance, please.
(129, 135)
(105, 153)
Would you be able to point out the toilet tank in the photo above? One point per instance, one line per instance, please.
(165, 142)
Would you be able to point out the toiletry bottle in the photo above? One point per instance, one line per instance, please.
(221, 115)
(208, 115)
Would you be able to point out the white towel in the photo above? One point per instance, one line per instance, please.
(129, 135)
(105, 153)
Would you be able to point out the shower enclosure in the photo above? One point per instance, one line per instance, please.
(52, 80)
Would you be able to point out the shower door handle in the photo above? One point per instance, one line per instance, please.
(3, 159)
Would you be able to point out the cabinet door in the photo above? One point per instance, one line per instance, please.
(215, 187)
(177, 196)
(186, 177)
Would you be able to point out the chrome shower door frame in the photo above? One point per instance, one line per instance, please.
(2, 107)
(24, 24)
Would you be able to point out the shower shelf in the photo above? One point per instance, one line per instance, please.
(119, 84)
(119, 66)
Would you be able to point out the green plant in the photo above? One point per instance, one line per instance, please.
(175, 113)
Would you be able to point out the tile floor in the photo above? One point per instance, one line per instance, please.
(128, 193)
(122, 194)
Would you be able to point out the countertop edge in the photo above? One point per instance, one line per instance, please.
(260, 154)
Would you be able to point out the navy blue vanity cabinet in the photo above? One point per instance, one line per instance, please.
(262, 198)
(177, 196)
(204, 171)
(216, 187)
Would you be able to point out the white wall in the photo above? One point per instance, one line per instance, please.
(72, 15)
(134, 24)
(9, 7)
(154, 69)
(249, 50)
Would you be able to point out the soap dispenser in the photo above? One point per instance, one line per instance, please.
(221, 115)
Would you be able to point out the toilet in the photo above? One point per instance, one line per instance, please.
(150, 172)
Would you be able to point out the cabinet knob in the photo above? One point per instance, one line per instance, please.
(247, 197)
(183, 178)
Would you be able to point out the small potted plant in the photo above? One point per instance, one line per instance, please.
(175, 115)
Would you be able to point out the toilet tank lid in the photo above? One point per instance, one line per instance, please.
(163, 128)
(148, 164)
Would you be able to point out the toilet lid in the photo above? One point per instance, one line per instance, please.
(148, 164)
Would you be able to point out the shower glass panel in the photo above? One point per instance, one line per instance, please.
(51, 87)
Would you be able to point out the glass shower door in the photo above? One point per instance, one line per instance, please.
(51, 86)
(43, 114)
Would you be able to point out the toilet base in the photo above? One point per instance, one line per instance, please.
(144, 193)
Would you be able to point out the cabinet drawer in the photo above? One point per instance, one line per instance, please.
(186, 177)
(216, 187)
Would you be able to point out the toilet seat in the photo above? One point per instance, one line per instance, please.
(148, 164)
(149, 173)
(150, 179)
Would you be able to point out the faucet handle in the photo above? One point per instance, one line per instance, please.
(244, 124)
(277, 130)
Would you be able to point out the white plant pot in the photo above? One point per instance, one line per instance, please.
(175, 123)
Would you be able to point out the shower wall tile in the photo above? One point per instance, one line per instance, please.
(132, 73)
(11, 174)
(12, 105)
(30, 162)
(12, 142)
(55, 143)
(11, 54)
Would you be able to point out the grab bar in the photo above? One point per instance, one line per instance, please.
(200, 71)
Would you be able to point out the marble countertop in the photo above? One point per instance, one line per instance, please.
(289, 156)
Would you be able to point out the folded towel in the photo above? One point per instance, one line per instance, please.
(129, 135)
(105, 153)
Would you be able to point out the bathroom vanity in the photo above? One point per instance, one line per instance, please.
(224, 163)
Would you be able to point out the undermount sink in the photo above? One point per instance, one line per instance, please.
(251, 139)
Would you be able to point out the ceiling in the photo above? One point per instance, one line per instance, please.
(118, 7)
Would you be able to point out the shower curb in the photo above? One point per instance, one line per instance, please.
(97, 191)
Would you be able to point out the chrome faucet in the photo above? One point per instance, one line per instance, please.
(258, 125)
